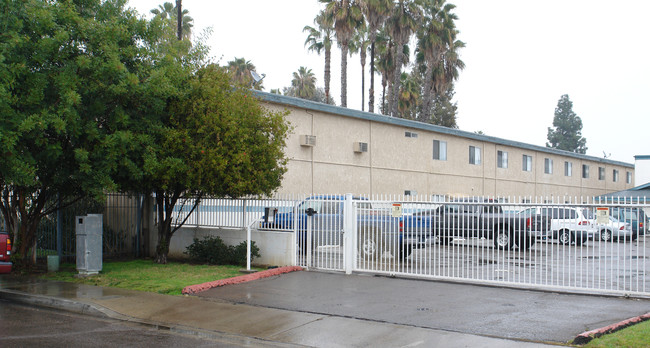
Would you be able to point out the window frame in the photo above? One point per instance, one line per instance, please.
(502, 159)
(439, 148)
(527, 163)
(474, 155)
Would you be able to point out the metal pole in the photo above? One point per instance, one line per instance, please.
(59, 229)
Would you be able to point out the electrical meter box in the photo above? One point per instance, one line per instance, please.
(89, 243)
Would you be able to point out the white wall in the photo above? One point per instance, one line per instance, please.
(276, 248)
(641, 170)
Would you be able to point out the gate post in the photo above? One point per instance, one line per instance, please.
(349, 235)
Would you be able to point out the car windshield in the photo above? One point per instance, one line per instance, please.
(588, 213)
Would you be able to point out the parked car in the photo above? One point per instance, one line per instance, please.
(568, 224)
(377, 230)
(617, 230)
(5, 253)
(478, 218)
(634, 216)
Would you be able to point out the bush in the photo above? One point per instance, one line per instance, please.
(213, 251)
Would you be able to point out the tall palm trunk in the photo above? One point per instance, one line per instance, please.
(371, 91)
(328, 73)
(344, 75)
(362, 53)
(399, 57)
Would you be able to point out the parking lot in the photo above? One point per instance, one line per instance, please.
(596, 266)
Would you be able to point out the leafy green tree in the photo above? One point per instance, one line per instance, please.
(69, 71)
(346, 17)
(320, 40)
(566, 133)
(217, 140)
(444, 111)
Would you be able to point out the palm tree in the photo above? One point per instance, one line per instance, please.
(304, 83)
(169, 14)
(346, 17)
(240, 73)
(321, 40)
(409, 96)
(375, 12)
(385, 64)
(401, 24)
(359, 44)
(438, 47)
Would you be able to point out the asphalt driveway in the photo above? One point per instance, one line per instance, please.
(479, 310)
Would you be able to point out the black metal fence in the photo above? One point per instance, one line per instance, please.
(56, 233)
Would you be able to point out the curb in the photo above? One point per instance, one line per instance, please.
(193, 289)
(587, 336)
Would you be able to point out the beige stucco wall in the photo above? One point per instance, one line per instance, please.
(395, 163)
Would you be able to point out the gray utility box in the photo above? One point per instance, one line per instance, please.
(89, 244)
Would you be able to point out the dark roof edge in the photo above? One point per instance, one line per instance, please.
(308, 104)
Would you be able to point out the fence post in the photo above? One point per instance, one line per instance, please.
(348, 234)
(59, 229)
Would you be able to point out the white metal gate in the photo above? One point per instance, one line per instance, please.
(576, 251)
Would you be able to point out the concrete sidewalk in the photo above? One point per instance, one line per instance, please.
(248, 325)
(273, 317)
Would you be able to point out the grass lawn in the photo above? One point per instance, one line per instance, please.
(145, 275)
(634, 336)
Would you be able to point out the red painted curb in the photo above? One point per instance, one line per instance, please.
(193, 289)
(585, 337)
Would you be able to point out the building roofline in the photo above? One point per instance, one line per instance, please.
(332, 109)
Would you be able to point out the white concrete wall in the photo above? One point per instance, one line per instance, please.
(276, 248)
(641, 170)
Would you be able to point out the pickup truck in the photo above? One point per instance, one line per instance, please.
(377, 230)
(478, 218)
(5, 253)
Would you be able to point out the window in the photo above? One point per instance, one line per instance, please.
(474, 155)
(440, 150)
(601, 173)
(527, 163)
(502, 159)
(628, 178)
(410, 134)
(568, 168)
(410, 193)
(548, 166)
(615, 175)
(585, 171)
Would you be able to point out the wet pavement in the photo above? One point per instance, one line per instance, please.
(334, 310)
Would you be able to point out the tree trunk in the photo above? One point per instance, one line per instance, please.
(371, 90)
(363, 78)
(399, 57)
(328, 73)
(344, 75)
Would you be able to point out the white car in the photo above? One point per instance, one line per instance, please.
(615, 229)
(568, 224)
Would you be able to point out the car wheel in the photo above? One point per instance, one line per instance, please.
(606, 235)
(407, 249)
(564, 237)
(502, 239)
(369, 245)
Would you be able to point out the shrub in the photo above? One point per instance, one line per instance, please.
(213, 251)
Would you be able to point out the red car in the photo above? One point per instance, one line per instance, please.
(5, 253)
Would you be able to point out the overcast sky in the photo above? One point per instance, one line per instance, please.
(520, 57)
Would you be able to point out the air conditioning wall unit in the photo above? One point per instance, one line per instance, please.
(307, 140)
(360, 147)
